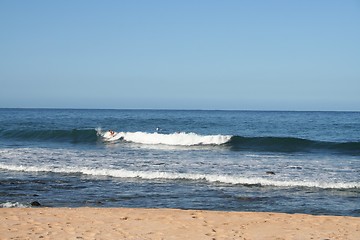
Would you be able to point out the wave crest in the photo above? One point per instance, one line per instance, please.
(174, 139)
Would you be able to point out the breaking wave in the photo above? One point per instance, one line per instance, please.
(234, 143)
(212, 178)
(174, 139)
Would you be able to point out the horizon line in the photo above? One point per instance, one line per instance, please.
(173, 109)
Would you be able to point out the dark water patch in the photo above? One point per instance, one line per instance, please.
(291, 144)
(57, 135)
(356, 212)
(251, 199)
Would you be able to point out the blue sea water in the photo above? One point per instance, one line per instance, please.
(293, 162)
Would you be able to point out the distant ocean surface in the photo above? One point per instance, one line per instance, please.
(293, 162)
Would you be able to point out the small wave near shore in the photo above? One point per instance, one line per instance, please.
(212, 178)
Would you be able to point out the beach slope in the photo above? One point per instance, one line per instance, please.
(121, 223)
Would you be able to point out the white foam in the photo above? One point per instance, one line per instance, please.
(12, 205)
(228, 179)
(174, 139)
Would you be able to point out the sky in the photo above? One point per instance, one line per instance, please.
(202, 54)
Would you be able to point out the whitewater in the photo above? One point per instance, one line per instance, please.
(174, 139)
(212, 178)
(295, 162)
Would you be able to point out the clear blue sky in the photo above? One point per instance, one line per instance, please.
(259, 55)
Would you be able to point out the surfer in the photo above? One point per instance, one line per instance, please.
(112, 133)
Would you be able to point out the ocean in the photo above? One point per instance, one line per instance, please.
(278, 161)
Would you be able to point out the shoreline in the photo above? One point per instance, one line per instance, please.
(141, 223)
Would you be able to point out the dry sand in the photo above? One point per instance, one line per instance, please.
(121, 223)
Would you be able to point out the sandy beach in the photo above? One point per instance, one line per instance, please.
(121, 223)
